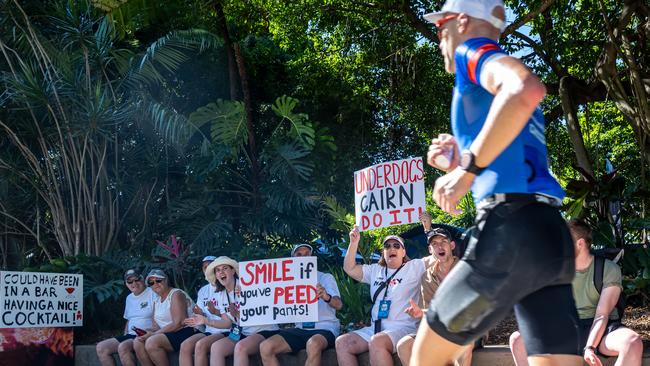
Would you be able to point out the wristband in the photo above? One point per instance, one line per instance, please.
(592, 348)
(330, 299)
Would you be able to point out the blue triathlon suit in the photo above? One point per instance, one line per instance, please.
(519, 253)
(523, 166)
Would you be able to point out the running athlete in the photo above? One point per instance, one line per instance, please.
(519, 253)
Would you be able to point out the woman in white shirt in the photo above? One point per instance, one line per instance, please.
(240, 341)
(393, 282)
(196, 349)
(170, 309)
(138, 312)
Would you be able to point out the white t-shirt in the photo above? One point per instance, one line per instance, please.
(327, 319)
(138, 310)
(206, 295)
(402, 288)
(162, 310)
(225, 298)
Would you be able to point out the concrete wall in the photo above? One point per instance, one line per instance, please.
(489, 356)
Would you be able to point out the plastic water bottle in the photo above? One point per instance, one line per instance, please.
(443, 161)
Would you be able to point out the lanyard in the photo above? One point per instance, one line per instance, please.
(234, 299)
(389, 279)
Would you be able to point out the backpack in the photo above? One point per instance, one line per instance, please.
(599, 273)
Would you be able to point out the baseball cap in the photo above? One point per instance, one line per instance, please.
(131, 273)
(298, 246)
(394, 237)
(438, 232)
(209, 258)
(481, 9)
(156, 273)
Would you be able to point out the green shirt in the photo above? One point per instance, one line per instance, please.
(585, 293)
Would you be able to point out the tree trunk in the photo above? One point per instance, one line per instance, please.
(575, 132)
(222, 25)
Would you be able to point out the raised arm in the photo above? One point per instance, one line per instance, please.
(350, 265)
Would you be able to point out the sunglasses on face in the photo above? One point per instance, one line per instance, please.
(133, 281)
(151, 283)
(394, 245)
(444, 20)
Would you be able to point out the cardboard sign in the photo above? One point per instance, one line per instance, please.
(34, 299)
(389, 194)
(277, 291)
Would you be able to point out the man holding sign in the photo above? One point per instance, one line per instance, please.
(315, 337)
(519, 252)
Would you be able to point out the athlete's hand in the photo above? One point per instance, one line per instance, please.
(450, 188)
(591, 359)
(414, 310)
(439, 146)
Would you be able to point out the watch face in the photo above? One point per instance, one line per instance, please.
(465, 159)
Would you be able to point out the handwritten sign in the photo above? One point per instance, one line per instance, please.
(32, 299)
(276, 291)
(389, 194)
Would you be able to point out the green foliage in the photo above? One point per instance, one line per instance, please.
(356, 299)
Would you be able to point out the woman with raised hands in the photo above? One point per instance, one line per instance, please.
(393, 282)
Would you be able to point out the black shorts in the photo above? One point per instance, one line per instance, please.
(518, 254)
(125, 337)
(297, 338)
(177, 337)
(585, 328)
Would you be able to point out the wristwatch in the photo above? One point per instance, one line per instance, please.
(592, 348)
(468, 163)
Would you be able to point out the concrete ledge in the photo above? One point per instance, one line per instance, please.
(488, 356)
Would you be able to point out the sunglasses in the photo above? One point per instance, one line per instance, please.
(150, 283)
(394, 245)
(444, 20)
(133, 281)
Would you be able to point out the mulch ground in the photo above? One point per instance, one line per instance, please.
(636, 318)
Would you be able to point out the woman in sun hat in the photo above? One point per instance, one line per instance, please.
(224, 272)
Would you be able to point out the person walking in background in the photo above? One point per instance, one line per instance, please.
(138, 312)
(519, 252)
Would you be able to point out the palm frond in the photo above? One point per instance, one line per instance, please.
(289, 159)
(300, 126)
(228, 120)
(169, 52)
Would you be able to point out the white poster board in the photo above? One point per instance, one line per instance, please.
(34, 299)
(277, 291)
(388, 194)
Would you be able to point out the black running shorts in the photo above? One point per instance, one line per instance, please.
(521, 255)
